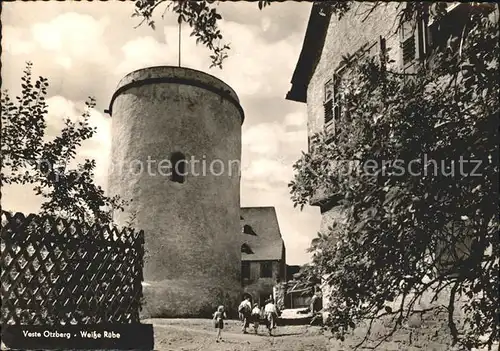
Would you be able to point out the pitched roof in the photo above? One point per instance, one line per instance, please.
(263, 235)
(312, 47)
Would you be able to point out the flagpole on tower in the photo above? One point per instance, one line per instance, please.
(180, 21)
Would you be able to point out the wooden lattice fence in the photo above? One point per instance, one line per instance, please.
(55, 271)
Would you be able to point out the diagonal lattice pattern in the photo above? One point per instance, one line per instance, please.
(57, 271)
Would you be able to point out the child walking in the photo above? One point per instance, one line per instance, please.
(271, 313)
(219, 317)
(256, 312)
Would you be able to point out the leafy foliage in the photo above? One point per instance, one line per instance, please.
(201, 16)
(29, 158)
(416, 168)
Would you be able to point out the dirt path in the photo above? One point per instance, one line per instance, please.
(199, 335)
(227, 335)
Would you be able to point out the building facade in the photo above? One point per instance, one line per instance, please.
(263, 257)
(319, 76)
(319, 72)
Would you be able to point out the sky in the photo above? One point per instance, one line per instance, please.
(85, 48)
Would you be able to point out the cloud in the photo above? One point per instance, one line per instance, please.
(254, 67)
(149, 51)
(264, 138)
(268, 171)
(273, 139)
(143, 52)
(295, 119)
(70, 49)
(265, 23)
(73, 36)
(98, 147)
(14, 41)
(276, 22)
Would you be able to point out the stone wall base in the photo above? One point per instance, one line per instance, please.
(429, 332)
(189, 298)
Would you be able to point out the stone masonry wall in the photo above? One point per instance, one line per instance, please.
(420, 332)
(428, 334)
(193, 257)
(346, 37)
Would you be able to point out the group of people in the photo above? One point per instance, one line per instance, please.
(248, 315)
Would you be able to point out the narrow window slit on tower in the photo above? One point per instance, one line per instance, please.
(178, 162)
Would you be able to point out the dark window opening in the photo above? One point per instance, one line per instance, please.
(328, 102)
(455, 246)
(178, 162)
(446, 34)
(263, 298)
(246, 249)
(328, 90)
(248, 230)
(266, 269)
(328, 106)
(245, 270)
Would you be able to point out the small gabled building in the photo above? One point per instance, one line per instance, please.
(262, 252)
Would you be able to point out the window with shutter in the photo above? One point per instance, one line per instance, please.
(328, 90)
(328, 103)
(333, 103)
(414, 42)
(328, 107)
(337, 102)
(382, 50)
(408, 47)
(334, 109)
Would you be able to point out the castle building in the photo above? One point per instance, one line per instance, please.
(263, 256)
(176, 147)
(320, 74)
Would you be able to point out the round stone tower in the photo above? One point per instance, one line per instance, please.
(176, 150)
